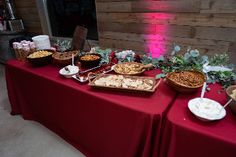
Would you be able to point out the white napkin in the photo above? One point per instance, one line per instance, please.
(207, 68)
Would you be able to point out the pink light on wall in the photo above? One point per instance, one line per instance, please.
(158, 24)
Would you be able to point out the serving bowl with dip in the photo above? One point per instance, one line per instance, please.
(69, 70)
(206, 109)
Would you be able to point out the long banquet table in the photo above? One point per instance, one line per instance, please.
(99, 123)
(184, 135)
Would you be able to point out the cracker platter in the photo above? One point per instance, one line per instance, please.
(125, 83)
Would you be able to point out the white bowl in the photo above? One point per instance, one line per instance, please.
(69, 70)
(206, 109)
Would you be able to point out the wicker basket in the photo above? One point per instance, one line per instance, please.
(233, 103)
(65, 58)
(184, 88)
(22, 55)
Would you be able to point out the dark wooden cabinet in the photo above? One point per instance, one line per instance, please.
(6, 52)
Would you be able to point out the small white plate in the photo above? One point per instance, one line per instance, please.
(206, 109)
(69, 70)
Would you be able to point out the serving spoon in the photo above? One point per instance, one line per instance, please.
(228, 102)
(203, 90)
(72, 60)
(225, 105)
(81, 78)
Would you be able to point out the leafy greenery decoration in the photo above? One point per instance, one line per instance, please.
(63, 45)
(105, 54)
(192, 60)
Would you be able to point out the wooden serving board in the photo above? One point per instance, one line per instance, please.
(151, 90)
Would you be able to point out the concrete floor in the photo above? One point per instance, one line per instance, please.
(22, 138)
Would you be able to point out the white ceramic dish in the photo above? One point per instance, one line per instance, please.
(206, 109)
(69, 70)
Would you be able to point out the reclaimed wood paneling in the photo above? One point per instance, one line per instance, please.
(141, 41)
(149, 6)
(27, 10)
(218, 6)
(190, 19)
(209, 25)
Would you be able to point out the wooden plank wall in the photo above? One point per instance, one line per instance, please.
(27, 10)
(154, 25)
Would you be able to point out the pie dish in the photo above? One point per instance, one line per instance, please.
(131, 68)
(206, 109)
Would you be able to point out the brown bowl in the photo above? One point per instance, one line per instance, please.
(88, 62)
(233, 102)
(41, 60)
(65, 58)
(187, 86)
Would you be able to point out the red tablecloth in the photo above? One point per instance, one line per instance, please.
(98, 123)
(186, 136)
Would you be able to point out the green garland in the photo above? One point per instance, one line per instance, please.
(192, 60)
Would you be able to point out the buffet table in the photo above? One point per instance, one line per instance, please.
(99, 123)
(184, 135)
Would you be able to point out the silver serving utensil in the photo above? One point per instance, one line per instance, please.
(81, 72)
(225, 105)
(112, 68)
(228, 102)
(80, 79)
